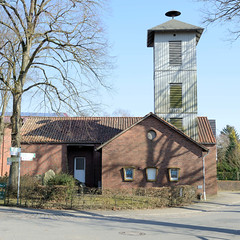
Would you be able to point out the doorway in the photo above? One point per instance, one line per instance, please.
(80, 168)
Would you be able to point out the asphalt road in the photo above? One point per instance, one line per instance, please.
(218, 218)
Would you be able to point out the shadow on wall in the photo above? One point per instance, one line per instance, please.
(168, 149)
(48, 156)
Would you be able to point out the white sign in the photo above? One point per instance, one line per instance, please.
(14, 151)
(27, 156)
(13, 159)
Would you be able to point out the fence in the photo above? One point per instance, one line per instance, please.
(2, 190)
(61, 197)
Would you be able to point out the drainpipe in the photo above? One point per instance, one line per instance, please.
(204, 178)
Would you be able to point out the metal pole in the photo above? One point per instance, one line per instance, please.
(19, 168)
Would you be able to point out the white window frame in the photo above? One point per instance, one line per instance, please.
(125, 177)
(151, 179)
(171, 178)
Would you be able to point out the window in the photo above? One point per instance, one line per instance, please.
(151, 173)
(175, 95)
(80, 163)
(173, 174)
(128, 173)
(151, 135)
(175, 53)
(177, 122)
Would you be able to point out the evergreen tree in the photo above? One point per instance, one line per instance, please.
(228, 153)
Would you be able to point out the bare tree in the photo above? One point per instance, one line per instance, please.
(5, 76)
(121, 113)
(60, 44)
(223, 11)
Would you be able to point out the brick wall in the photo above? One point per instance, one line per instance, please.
(225, 185)
(168, 149)
(48, 156)
(5, 152)
(211, 170)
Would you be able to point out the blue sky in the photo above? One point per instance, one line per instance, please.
(218, 71)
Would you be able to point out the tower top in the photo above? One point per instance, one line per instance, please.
(173, 14)
(173, 26)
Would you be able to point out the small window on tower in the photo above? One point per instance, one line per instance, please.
(175, 53)
(177, 122)
(175, 95)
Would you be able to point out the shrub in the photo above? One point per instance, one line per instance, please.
(4, 179)
(181, 195)
(62, 179)
(28, 186)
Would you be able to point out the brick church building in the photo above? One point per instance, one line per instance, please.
(172, 146)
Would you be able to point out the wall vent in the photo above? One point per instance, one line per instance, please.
(175, 53)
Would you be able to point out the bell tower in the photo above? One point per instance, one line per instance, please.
(175, 72)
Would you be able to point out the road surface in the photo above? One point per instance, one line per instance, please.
(218, 218)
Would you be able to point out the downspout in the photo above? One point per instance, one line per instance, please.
(204, 177)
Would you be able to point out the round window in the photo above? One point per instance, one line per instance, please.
(151, 135)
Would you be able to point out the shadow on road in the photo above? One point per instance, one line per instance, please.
(74, 215)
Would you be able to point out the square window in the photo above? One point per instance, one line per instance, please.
(128, 173)
(173, 174)
(151, 173)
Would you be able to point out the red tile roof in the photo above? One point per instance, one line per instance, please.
(205, 133)
(74, 129)
(89, 129)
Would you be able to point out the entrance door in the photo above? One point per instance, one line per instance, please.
(79, 168)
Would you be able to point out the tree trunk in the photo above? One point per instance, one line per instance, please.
(16, 137)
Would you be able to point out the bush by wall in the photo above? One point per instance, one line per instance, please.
(61, 197)
(62, 192)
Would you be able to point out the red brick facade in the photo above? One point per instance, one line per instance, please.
(168, 149)
(211, 170)
(5, 151)
(48, 156)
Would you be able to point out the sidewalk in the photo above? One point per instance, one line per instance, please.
(213, 204)
(222, 200)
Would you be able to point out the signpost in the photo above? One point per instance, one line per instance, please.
(14, 151)
(17, 156)
(13, 159)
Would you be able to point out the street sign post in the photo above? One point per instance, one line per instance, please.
(17, 156)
